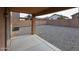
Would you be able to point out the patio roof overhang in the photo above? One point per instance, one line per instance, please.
(36, 11)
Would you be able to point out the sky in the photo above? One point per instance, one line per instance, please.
(67, 13)
(23, 14)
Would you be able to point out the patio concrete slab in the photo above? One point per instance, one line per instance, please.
(30, 43)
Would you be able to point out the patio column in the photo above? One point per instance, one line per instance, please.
(4, 30)
(33, 26)
(7, 27)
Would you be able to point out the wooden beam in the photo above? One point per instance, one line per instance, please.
(52, 9)
(38, 10)
(28, 10)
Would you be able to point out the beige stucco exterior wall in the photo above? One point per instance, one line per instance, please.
(2, 29)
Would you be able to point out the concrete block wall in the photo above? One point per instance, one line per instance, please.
(68, 22)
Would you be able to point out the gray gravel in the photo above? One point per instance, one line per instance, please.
(65, 38)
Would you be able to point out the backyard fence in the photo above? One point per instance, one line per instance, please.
(67, 22)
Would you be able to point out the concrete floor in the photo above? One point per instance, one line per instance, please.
(65, 38)
(30, 43)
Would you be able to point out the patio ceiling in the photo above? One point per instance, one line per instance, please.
(36, 11)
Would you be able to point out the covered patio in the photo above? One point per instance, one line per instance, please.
(26, 42)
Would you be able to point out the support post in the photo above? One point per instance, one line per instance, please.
(3, 29)
(33, 25)
(7, 26)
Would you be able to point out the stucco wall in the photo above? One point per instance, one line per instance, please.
(2, 29)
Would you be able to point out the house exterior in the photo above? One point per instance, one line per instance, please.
(75, 16)
(64, 21)
(56, 17)
(75, 20)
